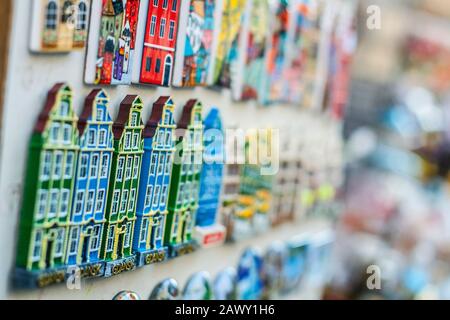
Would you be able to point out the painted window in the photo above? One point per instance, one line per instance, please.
(58, 165)
(84, 165)
(161, 138)
(176, 221)
(95, 242)
(59, 243)
(67, 133)
(100, 200)
(158, 65)
(163, 195)
(156, 196)
(159, 228)
(168, 164)
(148, 195)
(64, 109)
(102, 137)
(120, 165)
(171, 29)
(136, 140)
(168, 139)
(82, 16)
(197, 118)
(41, 203)
(68, 170)
(100, 114)
(132, 200)
(127, 142)
(94, 166)
(129, 167)
(46, 165)
(65, 193)
(144, 228)
(161, 163)
(153, 25)
(51, 15)
(37, 246)
(127, 237)
(91, 137)
(180, 193)
(54, 195)
(110, 240)
(115, 201)
(187, 191)
(54, 132)
(79, 198)
(167, 117)
(174, 5)
(136, 167)
(123, 204)
(153, 164)
(90, 201)
(66, 12)
(74, 235)
(105, 166)
(134, 119)
(148, 64)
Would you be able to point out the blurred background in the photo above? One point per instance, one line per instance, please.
(396, 219)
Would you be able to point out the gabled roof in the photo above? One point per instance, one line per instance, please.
(124, 113)
(88, 107)
(48, 106)
(186, 116)
(156, 115)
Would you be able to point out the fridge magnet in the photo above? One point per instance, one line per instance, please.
(249, 275)
(59, 25)
(208, 232)
(165, 290)
(296, 263)
(112, 38)
(156, 41)
(48, 189)
(185, 181)
(275, 259)
(277, 51)
(126, 295)
(124, 182)
(224, 286)
(255, 62)
(151, 210)
(295, 58)
(195, 41)
(198, 287)
(227, 43)
(91, 185)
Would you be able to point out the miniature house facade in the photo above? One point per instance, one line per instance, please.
(59, 25)
(212, 170)
(151, 212)
(159, 42)
(123, 187)
(92, 180)
(49, 184)
(184, 186)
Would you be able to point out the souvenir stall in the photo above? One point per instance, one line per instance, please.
(170, 149)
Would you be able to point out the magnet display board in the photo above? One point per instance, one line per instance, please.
(30, 76)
